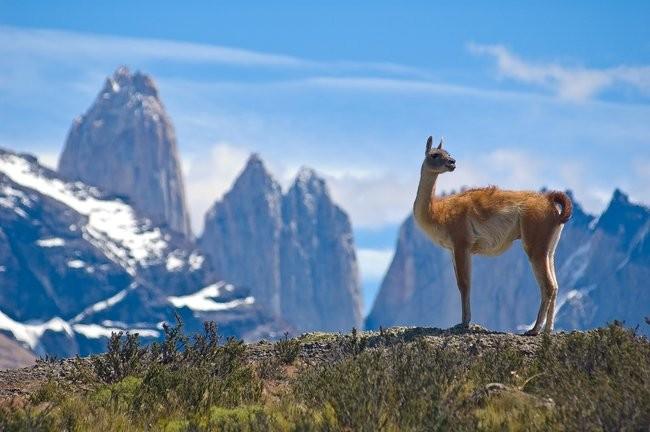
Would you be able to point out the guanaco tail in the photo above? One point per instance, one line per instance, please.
(486, 221)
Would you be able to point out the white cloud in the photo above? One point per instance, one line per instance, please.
(60, 45)
(208, 176)
(56, 43)
(372, 200)
(374, 263)
(378, 198)
(575, 84)
(48, 158)
(410, 85)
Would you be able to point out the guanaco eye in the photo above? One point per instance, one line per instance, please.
(435, 156)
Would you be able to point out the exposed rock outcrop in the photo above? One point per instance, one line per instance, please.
(125, 144)
(242, 234)
(319, 287)
(295, 252)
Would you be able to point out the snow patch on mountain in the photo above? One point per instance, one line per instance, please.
(576, 264)
(104, 304)
(112, 225)
(204, 299)
(30, 333)
(96, 331)
(76, 264)
(50, 242)
(174, 261)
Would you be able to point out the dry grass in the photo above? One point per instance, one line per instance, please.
(597, 380)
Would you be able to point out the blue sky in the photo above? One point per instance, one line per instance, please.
(527, 94)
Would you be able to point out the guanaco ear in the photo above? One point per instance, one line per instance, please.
(440, 145)
(429, 144)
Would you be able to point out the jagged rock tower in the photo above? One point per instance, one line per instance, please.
(125, 144)
(294, 251)
(242, 234)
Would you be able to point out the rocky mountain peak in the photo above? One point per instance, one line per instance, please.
(125, 144)
(622, 217)
(578, 216)
(242, 233)
(255, 172)
(124, 81)
(307, 273)
(307, 180)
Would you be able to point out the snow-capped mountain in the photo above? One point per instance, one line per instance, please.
(125, 144)
(77, 264)
(295, 251)
(602, 264)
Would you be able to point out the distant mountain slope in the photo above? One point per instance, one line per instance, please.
(294, 251)
(603, 267)
(76, 264)
(13, 355)
(125, 144)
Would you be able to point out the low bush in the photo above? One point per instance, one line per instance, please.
(597, 380)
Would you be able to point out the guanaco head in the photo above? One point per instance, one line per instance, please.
(438, 160)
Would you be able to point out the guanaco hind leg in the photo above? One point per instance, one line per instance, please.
(550, 315)
(544, 278)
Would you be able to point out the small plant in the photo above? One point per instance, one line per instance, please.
(123, 358)
(270, 368)
(286, 350)
(354, 344)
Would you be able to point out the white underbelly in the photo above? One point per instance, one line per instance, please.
(495, 236)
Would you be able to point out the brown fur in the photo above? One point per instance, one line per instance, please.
(486, 221)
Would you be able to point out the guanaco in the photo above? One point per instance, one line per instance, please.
(486, 221)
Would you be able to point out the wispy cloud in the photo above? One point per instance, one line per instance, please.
(60, 45)
(405, 86)
(55, 43)
(570, 83)
(209, 175)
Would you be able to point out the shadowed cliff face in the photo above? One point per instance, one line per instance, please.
(602, 265)
(294, 251)
(125, 144)
(242, 233)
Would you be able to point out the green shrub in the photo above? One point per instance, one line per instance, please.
(286, 350)
(124, 357)
(598, 380)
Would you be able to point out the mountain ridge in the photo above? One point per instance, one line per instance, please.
(97, 266)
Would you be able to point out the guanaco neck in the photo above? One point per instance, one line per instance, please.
(425, 196)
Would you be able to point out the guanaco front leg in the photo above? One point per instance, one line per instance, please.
(463, 269)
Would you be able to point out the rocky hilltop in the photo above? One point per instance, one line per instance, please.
(125, 144)
(295, 251)
(417, 379)
(602, 264)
